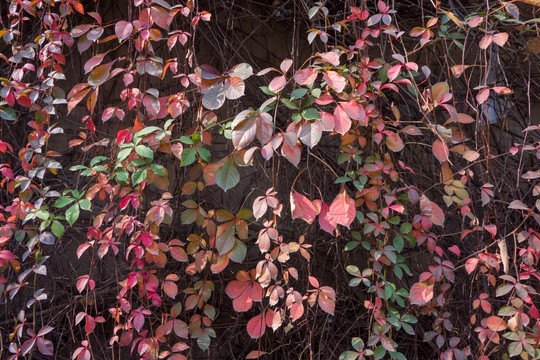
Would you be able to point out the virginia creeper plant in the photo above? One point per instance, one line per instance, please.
(372, 156)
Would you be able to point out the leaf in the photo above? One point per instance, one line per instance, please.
(482, 95)
(438, 90)
(72, 214)
(327, 304)
(255, 354)
(8, 113)
(495, 323)
(123, 29)
(394, 142)
(214, 96)
(305, 76)
(277, 84)
(470, 265)
(302, 208)
(465, 119)
(335, 81)
(331, 58)
(342, 122)
(440, 150)
(343, 209)
(233, 88)
(518, 205)
(100, 74)
(310, 134)
(256, 326)
(421, 293)
(227, 176)
(225, 237)
(500, 39)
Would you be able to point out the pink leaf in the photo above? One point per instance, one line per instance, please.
(518, 205)
(354, 110)
(421, 293)
(331, 58)
(277, 84)
(326, 221)
(440, 150)
(482, 95)
(302, 208)
(500, 39)
(256, 326)
(343, 209)
(394, 72)
(470, 265)
(335, 81)
(123, 30)
(305, 76)
(342, 122)
(326, 303)
(465, 119)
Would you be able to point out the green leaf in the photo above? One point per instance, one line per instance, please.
(397, 355)
(188, 156)
(351, 245)
(348, 355)
(238, 252)
(144, 151)
(85, 204)
(186, 140)
(97, 159)
(72, 214)
(203, 341)
(342, 179)
(316, 92)
(296, 117)
(227, 176)
(310, 114)
(379, 352)
(405, 228)
(204, 154)
(8, 113)
(146, 131)
(399, 243)
(288, 103)
(57, 229)
(63, 201)
(307, 102)
(266, 90)
(124, 153)
(122, 176)
(158, 169)
(139, 176)
(298, 93)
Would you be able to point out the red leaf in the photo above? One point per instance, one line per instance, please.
(440, 150)
(256, 326)
(421, 293)
(455, 250)
(485, 42)
(302, 208)
(343, 209)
